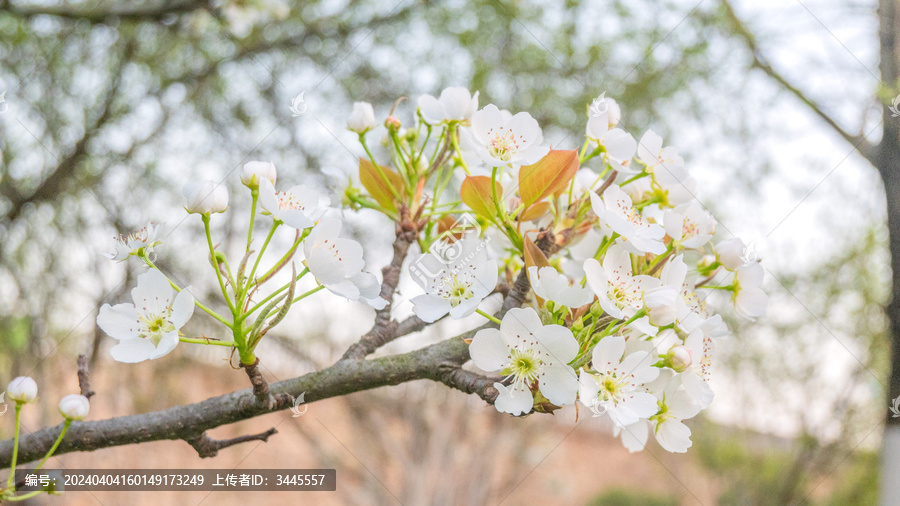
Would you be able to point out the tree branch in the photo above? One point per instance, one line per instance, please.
(186, 422)
(759, 61)
(100, 16)
(208, 447)
(384, 330)
(84, 377)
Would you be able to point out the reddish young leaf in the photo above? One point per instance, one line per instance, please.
(550, 175)
(534, 212)
(476, 193)
(376, 185)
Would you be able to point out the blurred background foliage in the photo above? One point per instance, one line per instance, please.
(112, 106)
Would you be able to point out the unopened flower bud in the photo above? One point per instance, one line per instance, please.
(362, 118)
(204, 197)
(22, 389)
(679, 358)
(74, 407)
(254, 172)
(392, 123)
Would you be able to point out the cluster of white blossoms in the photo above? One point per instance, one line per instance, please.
(616, 248)
(619, 321)
(151, 326)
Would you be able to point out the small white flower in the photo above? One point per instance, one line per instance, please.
(455, 283)
(362, 119)
(298, 207)
(499, 140)
(528, 352)
(749, 299)
(614, 385)
(549, 284)
(675, 405)
(619, 292)
(689, 225)
(650, 151)
(22, 389)
(337, 263)
(148, 328)
(617, 214)
(204, 197)
(74, 407)
(455, 104)
(254, 172)
(730, 253)
(126, 245)
(676, 186)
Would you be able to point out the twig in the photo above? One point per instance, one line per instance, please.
(84, 377)
(208, 447)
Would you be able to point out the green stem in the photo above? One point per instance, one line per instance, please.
(454, 140)
(230, 344)
(53, 448)
(254, 197)
(260, 254)
(489, 317)
(15, 453)
(212, 252)
(286, 256)
(307, 294)
(29, 495)
(271, 295)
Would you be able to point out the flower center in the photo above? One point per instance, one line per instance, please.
(456, 287)
(503, 144)
(689, 229)
(153, 326)
(524, 366)
(287, 200)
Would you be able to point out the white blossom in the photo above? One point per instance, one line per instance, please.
(455, 104)
(455, 281)
(148, 328)
(617, 214)
(614, 384)
(126, 245)
(298, 207)
(549, 284)
(204, 197)
(749, 299)
(337, 263)
(528, 352)
(620, 293)
(499, 140)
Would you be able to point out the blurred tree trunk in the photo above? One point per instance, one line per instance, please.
(887, 161)
(885, 157)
